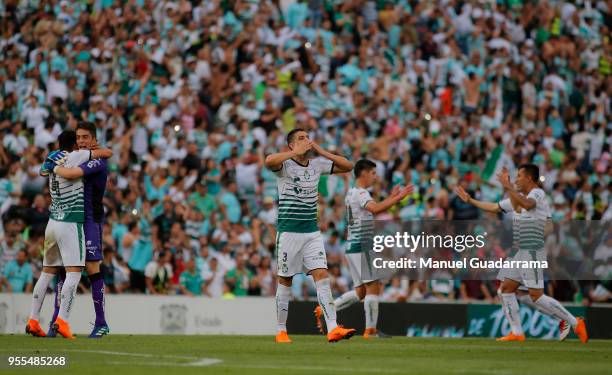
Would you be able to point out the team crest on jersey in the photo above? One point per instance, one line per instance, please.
(306, 175)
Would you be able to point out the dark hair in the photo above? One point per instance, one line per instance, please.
(67, 140)
(89, 126)
(532, 171)
(292, 134)
(363, 165)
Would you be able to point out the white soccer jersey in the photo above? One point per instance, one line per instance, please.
(360, 220)
(298, 192)
(528, 225)
(67, 201)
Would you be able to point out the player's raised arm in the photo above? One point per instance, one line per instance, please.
(274, 162)
(485, 206)
(397, 194)
(516, 197)
(341, 164)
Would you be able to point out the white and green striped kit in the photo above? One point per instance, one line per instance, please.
(528, 225)
(298, 194)
(67, 196)
(360, 221)
(528, 228)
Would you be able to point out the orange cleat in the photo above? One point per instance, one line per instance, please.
(33, 328)
(340, 333)
(318, 312)
(511, 337)
(369, 333)
(283, 338)
(581, 331)
(63, 328)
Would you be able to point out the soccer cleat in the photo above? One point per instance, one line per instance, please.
(564, 330)
(63, 328)
(511, 337)
(99, 331)
(318, 312)
(51, 333)
(340, 333)
(283, 338)
(581, 331)
(33, 328)
(373, 333)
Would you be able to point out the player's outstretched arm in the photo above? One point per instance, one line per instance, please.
(341, 163)
(397, 194)
(467, 198)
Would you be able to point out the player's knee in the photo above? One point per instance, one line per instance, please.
(319, 274)
(92, 267)
(285, 281)
(507, 287)
(535, 294)
(361, 292)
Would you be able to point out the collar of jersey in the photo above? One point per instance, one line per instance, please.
(300, 164)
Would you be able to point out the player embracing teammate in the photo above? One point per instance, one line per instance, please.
(65, 238)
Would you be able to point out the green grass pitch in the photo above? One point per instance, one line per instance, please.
(125, 354)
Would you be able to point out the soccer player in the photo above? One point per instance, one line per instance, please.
(64, 237)
(299, 243)
(94, 173)
(531, 213)
(361, 209)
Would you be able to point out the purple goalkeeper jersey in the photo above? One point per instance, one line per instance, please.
(95, 174)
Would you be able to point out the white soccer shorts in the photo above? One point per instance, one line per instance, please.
(532, 278)
(64, 244)
(299, 252)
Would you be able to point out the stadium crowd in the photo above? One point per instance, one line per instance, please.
(190, 96)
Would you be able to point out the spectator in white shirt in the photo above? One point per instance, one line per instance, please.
(34, 115)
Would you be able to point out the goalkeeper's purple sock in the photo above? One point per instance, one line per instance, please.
(61, 276)
(97, 294)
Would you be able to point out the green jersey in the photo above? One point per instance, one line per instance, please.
(298, 193)
(67, 201)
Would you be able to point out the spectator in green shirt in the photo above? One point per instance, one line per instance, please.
(190, 280)
(239, 278)
(18, 274)
(203, 201)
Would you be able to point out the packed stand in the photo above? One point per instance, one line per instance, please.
(190, 96)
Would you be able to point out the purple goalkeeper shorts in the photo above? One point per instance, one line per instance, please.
(93, 241)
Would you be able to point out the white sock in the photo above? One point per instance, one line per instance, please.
(512, 312)
(556, 309)
(371, 310)
(326, 301)
(346, 300)
(69, 290)
(39, 293)
(283, 293)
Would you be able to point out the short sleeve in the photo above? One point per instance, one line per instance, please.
(324, 166)
(280, 171)
(150, 270)
(364, 197)
(76, 158)
(506, 205)
(93, 166)
(538, 196)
